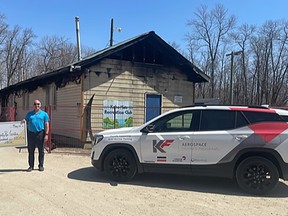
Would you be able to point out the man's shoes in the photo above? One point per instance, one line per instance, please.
(41, 168)
(29, 169)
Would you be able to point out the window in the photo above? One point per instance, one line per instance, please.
(254, 117)
(217, 120)
(240, 120)
(174, 122)
(285, 118)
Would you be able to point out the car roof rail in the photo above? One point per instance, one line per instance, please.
(239, 105)
(258, 106)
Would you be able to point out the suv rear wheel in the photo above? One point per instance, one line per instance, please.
(257, 175)
(120, 165)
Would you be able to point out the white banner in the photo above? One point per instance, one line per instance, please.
(13, 134)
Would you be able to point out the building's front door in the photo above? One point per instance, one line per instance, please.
(153, 106)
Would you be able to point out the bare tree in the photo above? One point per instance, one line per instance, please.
(242, 37)
(86, 51)
(260, 72)
(175, 46)
(270, 63)
(54, 52)
(3, 32)
(277, 91)
(209, 32)
(3, 35)
(15, 45)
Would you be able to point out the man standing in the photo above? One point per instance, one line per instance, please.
(38, 129)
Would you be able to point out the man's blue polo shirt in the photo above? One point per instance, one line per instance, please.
(36, 121)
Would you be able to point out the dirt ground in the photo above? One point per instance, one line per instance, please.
(71, 186)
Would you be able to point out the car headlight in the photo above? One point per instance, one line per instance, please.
(97, 139)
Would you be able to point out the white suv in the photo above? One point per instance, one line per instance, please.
(246, 143)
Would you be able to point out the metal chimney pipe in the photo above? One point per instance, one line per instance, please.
(78, 38)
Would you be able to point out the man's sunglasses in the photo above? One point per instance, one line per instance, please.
(38, 104)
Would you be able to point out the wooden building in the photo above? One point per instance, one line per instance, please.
(135, 75)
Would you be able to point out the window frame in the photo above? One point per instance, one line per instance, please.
(157, 125)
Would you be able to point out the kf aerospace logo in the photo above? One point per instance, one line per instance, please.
(160, 145)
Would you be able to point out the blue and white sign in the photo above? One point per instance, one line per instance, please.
(117, 114)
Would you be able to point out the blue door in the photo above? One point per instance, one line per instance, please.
(153, 106)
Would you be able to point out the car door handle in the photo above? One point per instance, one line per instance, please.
(241, 137)
(183, 137)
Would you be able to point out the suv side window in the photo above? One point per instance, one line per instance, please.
(241, 121)
(217, 120)
(175, 122)
(254, 117)
(285, 118)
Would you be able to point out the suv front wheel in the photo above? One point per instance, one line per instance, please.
(257, 175)
(120, 165)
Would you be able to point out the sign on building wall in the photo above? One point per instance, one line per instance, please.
(13, 134)
(178, 99)
(117, 114)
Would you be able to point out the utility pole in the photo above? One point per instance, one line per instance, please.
(232, 54)
(112, 31)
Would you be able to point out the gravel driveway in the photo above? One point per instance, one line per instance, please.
(71, 186)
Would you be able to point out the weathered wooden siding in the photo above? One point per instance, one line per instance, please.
(67, 113)
(22, 109)
(109, 80)
(127, 82)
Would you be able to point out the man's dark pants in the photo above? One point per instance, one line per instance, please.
(36, 140)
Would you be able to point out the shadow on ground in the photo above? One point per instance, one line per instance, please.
(177, 182)
(12, 170)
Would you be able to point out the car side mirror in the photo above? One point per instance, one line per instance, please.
(148, 129)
